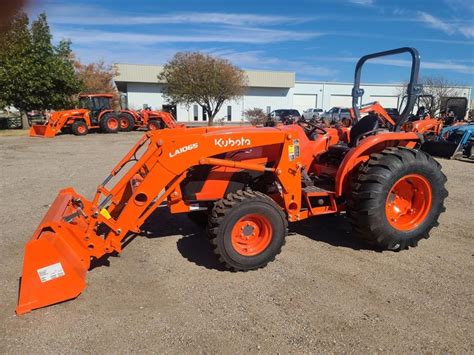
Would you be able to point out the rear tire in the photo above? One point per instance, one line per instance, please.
(79, 128)
(127, 123)
(396, 198)
(154, 125)
(109, 123)
(247, 229)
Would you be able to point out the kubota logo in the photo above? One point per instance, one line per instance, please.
(184, 149)
(229, 142)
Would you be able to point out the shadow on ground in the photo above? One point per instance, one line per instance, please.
(334, 230)
(331, 229)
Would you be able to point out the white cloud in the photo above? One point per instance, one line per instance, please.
(453, 66)
(460, 5)
(467, 31)
(435, 22)
(362, 2)
(181, 18)
(225, 35)
(455, 27)
(259, 60)
(73, 14)
(449, 66)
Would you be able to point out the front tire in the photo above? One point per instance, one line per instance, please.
(109, 123)
(79, 128)
(154, 125)
(396, 198)
(247, 229)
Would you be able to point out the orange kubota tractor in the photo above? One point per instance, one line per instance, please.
(250, 182)
(453, 112)
(96, 112)
(146, 118)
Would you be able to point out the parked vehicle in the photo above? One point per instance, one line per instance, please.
(335, 115)
(313, 113)
(285, 116)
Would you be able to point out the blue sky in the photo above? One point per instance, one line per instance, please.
(317, 39)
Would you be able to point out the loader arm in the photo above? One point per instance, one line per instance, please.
(76, 230)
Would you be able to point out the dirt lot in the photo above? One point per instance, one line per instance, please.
(166, 293)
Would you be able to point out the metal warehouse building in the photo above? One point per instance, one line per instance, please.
(269, 90)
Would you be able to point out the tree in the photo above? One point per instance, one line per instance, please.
(193, 77)
(97, 78)
(35, 75)
(255, 116)
(56, 82)
(15, 46)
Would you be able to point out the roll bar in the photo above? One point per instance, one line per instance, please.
(413, 88)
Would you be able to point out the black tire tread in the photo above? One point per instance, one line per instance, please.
(156, 122)
(103, 122)
(74, 128)
(130, 119)
(224, 207)
(369, 182)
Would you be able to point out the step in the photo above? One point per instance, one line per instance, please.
(315, 190)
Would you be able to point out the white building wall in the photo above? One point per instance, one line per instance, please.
(140, 94)
(326, 96)
(339, 94)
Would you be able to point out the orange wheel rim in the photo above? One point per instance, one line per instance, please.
(81, 129)
(251, 235)
(124, 123)
(153, 127)
(112, 123)
(408, 202)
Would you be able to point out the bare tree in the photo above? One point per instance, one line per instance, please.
(437, 86)
(255, 116)
(98, 78)
(193, 77)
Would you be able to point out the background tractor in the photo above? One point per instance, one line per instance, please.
(453, 112)
(95, 112)
(454, 142)
(249, 183)
(146, 118)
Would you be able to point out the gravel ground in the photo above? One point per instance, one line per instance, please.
(166, 293)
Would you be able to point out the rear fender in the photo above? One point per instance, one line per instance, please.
(367, 146)
(423, 126)
(73, 119)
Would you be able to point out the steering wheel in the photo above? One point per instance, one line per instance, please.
(311, 127)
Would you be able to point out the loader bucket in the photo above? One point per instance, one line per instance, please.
(54, 265)
(42, 131)
(441, 149)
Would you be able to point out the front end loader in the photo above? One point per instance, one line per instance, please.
(95, 112)
(249, 183)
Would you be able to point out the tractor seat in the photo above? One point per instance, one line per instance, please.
(364, 125)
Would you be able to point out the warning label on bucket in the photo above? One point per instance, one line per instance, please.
(50, 272)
